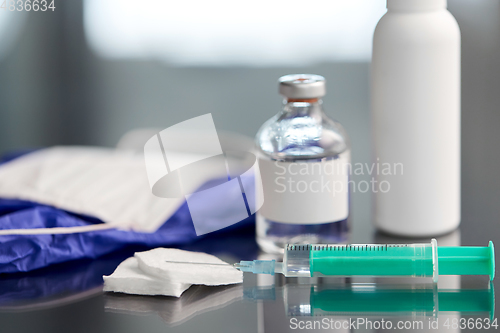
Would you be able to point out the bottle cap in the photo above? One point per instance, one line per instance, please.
(302, 86)
(415, 5)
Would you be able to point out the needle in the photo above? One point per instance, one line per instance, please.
(197, 263)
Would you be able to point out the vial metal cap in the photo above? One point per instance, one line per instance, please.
(302, 86)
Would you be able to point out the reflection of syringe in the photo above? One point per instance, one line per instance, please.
(413, 260)
(367, 299)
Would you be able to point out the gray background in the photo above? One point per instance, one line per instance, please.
(54, 90)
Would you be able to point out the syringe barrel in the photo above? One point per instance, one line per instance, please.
(297, 261)
(409, 260)
(412, 260)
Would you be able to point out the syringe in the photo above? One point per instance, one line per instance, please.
(411, 260)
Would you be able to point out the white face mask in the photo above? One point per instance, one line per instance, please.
(109, 184)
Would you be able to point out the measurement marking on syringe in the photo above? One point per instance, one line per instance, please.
(345, 247)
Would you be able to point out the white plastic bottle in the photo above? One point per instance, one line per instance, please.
(416, 118)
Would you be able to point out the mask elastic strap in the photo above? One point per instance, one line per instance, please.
(57, 230)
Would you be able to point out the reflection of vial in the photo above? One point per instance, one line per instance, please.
(304, 160)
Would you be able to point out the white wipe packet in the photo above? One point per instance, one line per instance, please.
(169, 272)
(129, 279)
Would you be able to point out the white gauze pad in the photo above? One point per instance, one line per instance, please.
(188, 267)
(128, 278)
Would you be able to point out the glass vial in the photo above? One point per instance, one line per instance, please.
(304, 160)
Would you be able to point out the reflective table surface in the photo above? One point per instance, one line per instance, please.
(69, 297)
